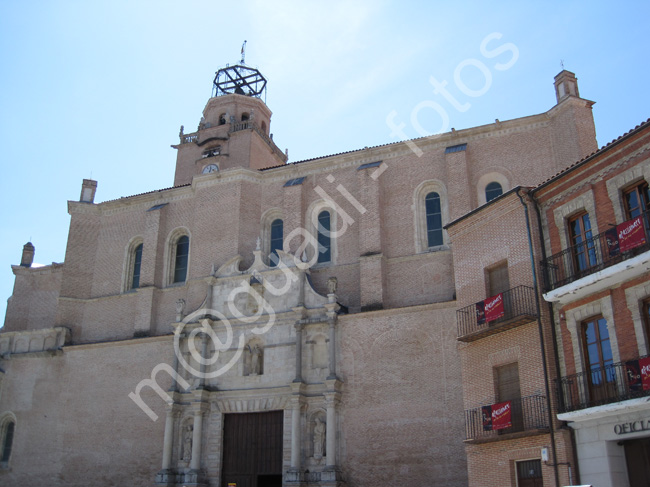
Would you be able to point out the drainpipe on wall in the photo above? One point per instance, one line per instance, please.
(541, 338)
(556, 355)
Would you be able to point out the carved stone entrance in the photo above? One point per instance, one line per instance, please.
(252, 449)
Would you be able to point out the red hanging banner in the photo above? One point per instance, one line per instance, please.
(631, 234)
(486, 412)
(638, 374)
(494, 307)
(611, 237)
(497, 416)
(644, 366)
(480, 313)
(501, 415)
(633, 374)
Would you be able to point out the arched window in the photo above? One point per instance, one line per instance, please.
(324, 237)
(434, 219)
(244, 117)
(222, 119)
(137, 262)
(431, 212)
(132, 265)
(181, 259)
(276, 241)
(493, 190)
(7, 433)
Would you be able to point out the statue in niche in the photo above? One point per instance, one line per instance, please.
(256, 359)
(319, 439)
(187, 442)
(180, 307)
(332, 284)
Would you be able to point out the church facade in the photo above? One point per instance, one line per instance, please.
(262, 323)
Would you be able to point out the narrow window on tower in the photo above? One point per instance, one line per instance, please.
(434, 219)
(324, 237)
(137, 262)
(181, 259)
(275, 243)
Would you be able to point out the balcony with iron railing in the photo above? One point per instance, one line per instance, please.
(593, 255)
(602, 385)
(529, 415)
(519, 308)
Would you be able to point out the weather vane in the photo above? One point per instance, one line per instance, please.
(561, 60)
(243, 52)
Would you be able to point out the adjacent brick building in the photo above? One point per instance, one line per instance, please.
(506, 348)
(597, 256)
(312, 305)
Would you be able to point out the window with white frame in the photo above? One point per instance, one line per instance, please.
(133, 264)
(178, 256)
(431, 213)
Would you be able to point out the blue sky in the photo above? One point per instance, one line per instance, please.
(99, 89)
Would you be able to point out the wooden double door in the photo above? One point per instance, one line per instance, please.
(252, 450)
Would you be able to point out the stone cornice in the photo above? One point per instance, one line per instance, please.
(398, 311)
(20, 270)
(117, 343)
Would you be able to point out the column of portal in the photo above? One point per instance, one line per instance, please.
(195, 463)
(332, 348)
(330, 435)
(168, 441)
(295, 433)
(299, 327)
(204, 354)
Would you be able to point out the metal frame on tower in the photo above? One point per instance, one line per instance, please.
(239, 80)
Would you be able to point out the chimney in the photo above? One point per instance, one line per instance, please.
(566, 84)
(28, 255)
(88, 189)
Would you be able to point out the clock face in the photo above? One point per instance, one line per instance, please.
(210, 168)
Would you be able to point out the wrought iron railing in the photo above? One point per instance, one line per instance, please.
(528, 413)
(517, 302)
(592, 255)
(600, 385)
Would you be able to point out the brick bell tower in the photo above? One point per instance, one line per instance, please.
(233, 131)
